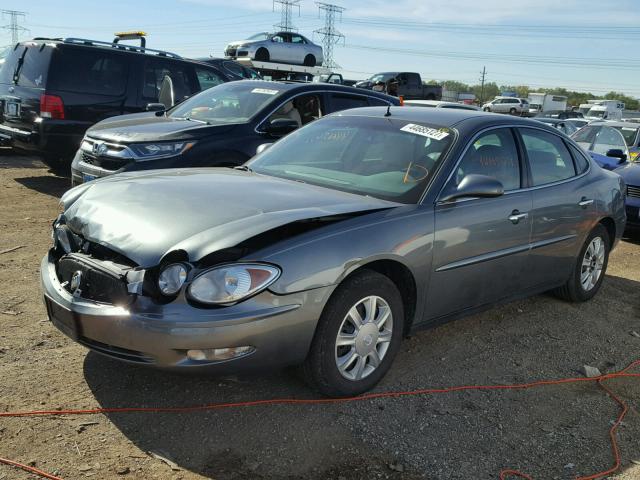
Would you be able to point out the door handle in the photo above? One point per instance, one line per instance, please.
(585, 202)
(516, 216)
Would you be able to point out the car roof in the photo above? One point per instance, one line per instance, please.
(99, 44)
(445, 117)
(316, 87)
(615, 124)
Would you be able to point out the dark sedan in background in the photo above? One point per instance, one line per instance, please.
(331, 245)
(222, 126)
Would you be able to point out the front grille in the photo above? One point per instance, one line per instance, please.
(111, 164)
(95, 284)
(633, 191)
(116, 352)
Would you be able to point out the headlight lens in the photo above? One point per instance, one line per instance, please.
(232, 283)
(62, 238)
(172, 278)
(147, 151)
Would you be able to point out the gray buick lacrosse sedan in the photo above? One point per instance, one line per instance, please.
(330, 245)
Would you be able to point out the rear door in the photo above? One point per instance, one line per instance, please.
(563, 206)
(481, 245)
(183, 76)
(23, 77)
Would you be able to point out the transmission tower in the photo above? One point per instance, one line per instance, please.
(330, 36)
(286, 12)
(13, 26)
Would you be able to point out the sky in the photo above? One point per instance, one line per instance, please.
(582, 45)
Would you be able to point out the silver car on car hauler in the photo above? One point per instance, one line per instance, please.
(281, 47)
(332, 244)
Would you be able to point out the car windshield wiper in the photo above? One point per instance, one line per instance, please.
(193, 120)
(244, 168)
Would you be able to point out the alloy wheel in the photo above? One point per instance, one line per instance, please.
(592, 264)
(363, 338)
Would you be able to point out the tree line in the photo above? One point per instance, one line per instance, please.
(492, 89)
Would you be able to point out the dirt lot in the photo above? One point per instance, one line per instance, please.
(551, 432)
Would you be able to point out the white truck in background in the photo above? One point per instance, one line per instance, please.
(602, 109)
(545, 102)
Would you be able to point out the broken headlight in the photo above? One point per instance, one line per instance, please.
(232, 283)
(150, 151)
(172, 278)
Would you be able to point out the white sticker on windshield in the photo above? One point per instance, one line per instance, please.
(265, 91)
(425, 131)
(629, 129)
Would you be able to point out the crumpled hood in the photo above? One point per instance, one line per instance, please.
(146, 215)
(150, 127)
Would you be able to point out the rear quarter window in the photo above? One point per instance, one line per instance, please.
(88, 70)
(8, 67)
(35, 65)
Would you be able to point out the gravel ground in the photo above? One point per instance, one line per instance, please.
(551, 432)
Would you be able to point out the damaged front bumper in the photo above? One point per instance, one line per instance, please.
(279, 328)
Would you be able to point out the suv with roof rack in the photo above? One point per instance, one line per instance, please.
(53, 90)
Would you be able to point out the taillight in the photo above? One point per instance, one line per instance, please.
(401, 98)
(51, 106)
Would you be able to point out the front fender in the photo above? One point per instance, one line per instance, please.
(328, 255)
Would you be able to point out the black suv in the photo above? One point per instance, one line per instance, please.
(52, 90)
(222, 126)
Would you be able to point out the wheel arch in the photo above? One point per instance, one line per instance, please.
(404, 280)
(610, 225)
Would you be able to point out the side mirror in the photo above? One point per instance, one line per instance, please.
(617, 153)
(280, 127)
(474, 185)
(155, 107)
(262, 148)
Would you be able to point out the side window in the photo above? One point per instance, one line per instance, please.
(549, 159)
(608, 138)
(302, 109)
(154, 73)
(88, 70)
(297, 39)
(494, 154)
(413, 79)
(208, 78)
(342, 102)
(582, 164)
(34, 67)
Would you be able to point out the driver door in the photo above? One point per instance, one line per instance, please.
(481, 245)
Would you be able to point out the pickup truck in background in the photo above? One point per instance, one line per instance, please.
(407, 85)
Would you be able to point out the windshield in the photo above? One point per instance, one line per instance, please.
(233, 102)
(259, 37)
(381, 77)
(584, 110)
(381, 157)
(596, 113)
(629, 134)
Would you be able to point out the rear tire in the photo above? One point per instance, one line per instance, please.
(590, 268)
(262, 55)
(57, 165)
(366, 315)
(309, 61)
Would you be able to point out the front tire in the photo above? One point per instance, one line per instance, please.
(358, 335)
(512, 111)
(262, 55)
(486, 109)
(590, 268)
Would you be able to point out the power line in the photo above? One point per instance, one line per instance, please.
(13, 26)
(483, 75)
(330, 36)
(286, 10)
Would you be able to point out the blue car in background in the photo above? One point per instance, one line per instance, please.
(614, 146)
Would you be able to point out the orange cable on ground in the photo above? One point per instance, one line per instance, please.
(504, 474)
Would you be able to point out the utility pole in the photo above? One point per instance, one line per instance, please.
(483, 74)
(330, 36)
(13, 26)
(286, 10)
